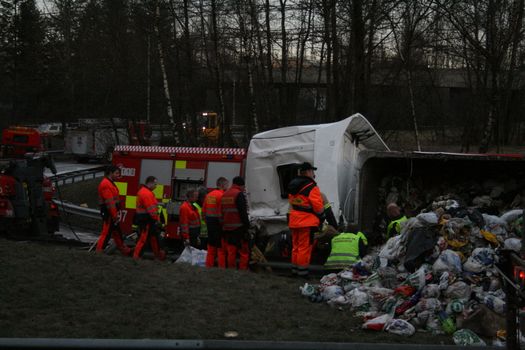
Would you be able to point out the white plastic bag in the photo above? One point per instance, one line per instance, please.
(400, 327)
(331, 292)
(431, 291)
(479, 260)
(458, 290)
(512, 215)
(357, 297)
(494, 224)
(513, 244)
(378, 323)
(428, 218)
(192, 256)
(392, 249)
(448, 261)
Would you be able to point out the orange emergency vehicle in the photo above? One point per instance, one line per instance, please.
(177, 170)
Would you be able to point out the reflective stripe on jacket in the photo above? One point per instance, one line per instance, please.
(204, 229)
(345, 250)
(108, 196)
(147, 203)
(306, 204)
(188, 219)
(396, 226)
(230, 212)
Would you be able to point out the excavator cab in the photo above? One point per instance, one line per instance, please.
(209, 126)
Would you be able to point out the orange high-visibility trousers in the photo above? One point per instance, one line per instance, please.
(216, 245)
(301, 250)
(108, 227)
(232, 250)
(215, 253)
(145, 234)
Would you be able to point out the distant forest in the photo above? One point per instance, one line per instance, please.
(411, 65)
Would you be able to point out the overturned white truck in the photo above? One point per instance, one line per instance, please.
(274, 156)
(356, 168)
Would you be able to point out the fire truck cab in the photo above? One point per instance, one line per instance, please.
(177, 169)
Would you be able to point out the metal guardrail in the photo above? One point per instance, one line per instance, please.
(74, 209)
(78, 175)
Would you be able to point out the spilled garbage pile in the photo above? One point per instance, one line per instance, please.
(438, 275)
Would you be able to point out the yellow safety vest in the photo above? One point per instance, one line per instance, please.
(204, 228)
(395, 225)
(345, 250)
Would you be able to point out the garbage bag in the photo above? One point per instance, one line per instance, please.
(512, 215)
(513, 244)
(431, 291)
(495, 304)
(443, 281)
(420, 244)
(358, 298)
(495, 225)
(393, 249)
(341, 300)
(331, 292)
(455, 306)
(448, 261)
(418, 278)
(329, 280)
(192, 256)
(466, 337)
(307, 290)
(400, 327)
(479, 260)
(378, 323)
(388, 277)
(428, 304)
(429, 218)
(458, 290)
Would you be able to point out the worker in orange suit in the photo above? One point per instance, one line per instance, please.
(109, 202)
(211, 211)
(305, 216)
(189, 220)
(235, 225)
(147, 219)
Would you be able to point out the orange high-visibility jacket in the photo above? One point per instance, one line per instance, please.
(231, 207)
(108, 196)
(306, 203)
(212, 204)
(147, 203)
(188, 219)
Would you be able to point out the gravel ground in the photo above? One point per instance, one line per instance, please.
(56, 291)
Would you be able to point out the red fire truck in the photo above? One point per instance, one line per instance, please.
(177, 170)
(19, 140)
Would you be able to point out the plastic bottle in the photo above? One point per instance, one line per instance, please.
(447, 324)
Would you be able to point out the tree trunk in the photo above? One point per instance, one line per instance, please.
(165, 82)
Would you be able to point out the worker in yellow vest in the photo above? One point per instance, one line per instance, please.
(347, 248)
(203, 237)
(396, 219)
